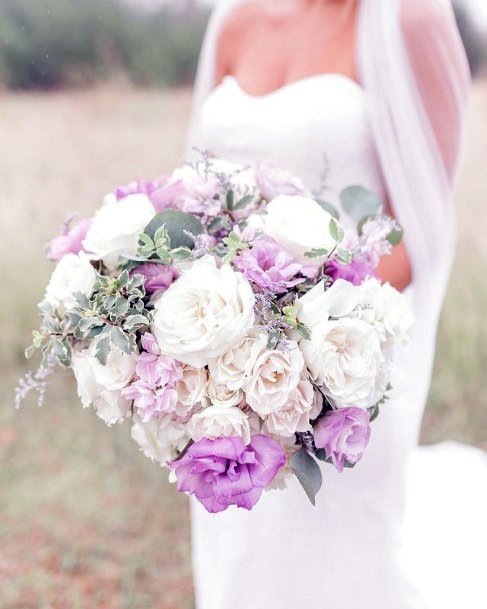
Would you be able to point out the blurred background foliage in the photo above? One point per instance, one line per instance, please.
(49, 44)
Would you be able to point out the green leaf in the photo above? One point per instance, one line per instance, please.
(395, 236)
(177, 224)
(123, 279)
(336, 230)
(344, 256)
(29, 352)
(145, 243)
(331, 209)
(120, 340)
(358, 202)
(217, 223)
(317, 253)
(374, 413)
(135, 321)
(87, 323)
(303, 331)
(103, 349)
(82, 300)
(243, 202)
(321, 455)
(230, 200)
(307, 472)
(181, 253)
(60, 351)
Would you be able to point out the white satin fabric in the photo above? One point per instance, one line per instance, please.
(373, 540)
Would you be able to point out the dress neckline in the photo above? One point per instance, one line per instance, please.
(229, 78)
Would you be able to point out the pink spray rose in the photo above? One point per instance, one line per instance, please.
(269, 266)
(70, 241)
(156, 276)
(141, 187)
(344, 435)
(154, 388)
(224, 472)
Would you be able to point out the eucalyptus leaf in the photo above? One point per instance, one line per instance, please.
(336, 231)
(331, 209)
(358, 202)
(230, 200)
(307, 472)
(178, 224)
(374, 413)
(395, 236)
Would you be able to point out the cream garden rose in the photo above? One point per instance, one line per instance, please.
(116, 226)
(295, 414)
(387, 309)
(100, 386)
(203, 313)
(219, 421)
(73, 273)
(272, 376)
(190, 389)
(299, 225)
(344, 357)
(219, 394)
(232, 366)
(160, 439)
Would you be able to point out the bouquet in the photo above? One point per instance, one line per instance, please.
(230, 317)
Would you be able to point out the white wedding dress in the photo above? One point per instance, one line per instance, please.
(401, 529)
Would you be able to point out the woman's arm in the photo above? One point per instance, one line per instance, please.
(396, 268)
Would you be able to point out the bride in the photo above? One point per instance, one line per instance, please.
(343, 92)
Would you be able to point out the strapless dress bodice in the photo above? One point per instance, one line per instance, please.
(317, 128)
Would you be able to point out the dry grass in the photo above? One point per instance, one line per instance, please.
(85, 520)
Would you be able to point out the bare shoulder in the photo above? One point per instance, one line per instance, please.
(419, 16)
(241, 18)
(235, 30)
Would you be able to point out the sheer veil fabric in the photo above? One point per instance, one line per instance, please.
(414, 72)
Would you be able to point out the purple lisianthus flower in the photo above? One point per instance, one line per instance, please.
(154, 388)
(69, 241)
(224, 472)
(141, 187)
(343, 434)
(356, 272)
(269, 266)
(156, 276)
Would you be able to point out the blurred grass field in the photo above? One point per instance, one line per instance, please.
(86, 521)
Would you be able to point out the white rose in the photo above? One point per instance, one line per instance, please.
(203, 313)
(99, 386)
(387, 309)
(219, 394)
(295, 414)
(345, 357)
(190, 389)
(232, 366)
(299, 224)
(240, 177)
(72, 274)
(272, 376)
(318, 305)
(111, 406)
(219, 421)
(116, 226)
(160, 439)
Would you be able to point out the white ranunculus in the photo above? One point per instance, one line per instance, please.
(295, 414)
(299, 225)
(73, 273)
(345, 357)
(387, 309)
(100, 386)
(203, 313)
(190, 389)
(219, 394)
(233, 365)
(219, 421)
(272, 376)
(318, 305)
(116, 226)
(160, 439)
